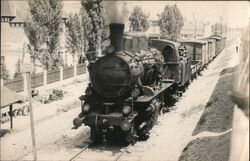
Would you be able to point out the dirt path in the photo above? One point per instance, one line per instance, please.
(53, 122)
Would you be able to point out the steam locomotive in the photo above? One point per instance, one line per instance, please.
(132, 84)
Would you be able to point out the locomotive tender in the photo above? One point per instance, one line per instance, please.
(131, 84)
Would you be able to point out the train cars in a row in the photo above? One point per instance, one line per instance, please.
(203, 51)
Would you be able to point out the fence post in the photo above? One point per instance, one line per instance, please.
(61, 73)
(86, 67)
(1, 82)
(75, 66)
(45, 77)
(75, 63)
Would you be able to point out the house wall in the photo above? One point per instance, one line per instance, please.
(13, 39)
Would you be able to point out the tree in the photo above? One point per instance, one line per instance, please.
(18, 72)
(179, 21)
(42, 29)
(105, 37)
(77, 30)
(4, 72)
(170, 22)
(138, 20)
(34, 33)
(94, 11)
(53, 24)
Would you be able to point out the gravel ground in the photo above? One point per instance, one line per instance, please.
(53, 123)
(198, 149)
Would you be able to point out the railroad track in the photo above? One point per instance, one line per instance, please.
(92, 144)
(80, 152)
(122, 153)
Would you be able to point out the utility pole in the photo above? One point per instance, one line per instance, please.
(27, 69)
(203, 29)
(31, 116)
(195, 29)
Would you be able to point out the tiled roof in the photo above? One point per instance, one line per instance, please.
(22, 11)
(7, 8)
(9, 97)
(20, 8)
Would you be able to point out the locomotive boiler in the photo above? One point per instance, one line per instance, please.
(128, 86)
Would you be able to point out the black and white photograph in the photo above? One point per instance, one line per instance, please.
(110, 80)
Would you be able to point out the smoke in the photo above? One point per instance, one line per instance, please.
(115, 12)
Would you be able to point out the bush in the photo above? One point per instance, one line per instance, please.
(4, 72)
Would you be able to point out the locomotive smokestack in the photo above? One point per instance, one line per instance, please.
(116, 36)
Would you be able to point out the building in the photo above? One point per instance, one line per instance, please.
(188, 31)
(154, 27)
(219, 29)
(196, 29)
(13, 38)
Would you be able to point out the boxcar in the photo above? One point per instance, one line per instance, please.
(219, 43)
(197, 49)
(211, 48)
(224, 41)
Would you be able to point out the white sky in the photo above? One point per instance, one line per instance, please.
(234, 13)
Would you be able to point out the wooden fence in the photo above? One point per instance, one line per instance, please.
(53, 76)
(37, 80)
(15, 84)
(80, 69)
(68, 72)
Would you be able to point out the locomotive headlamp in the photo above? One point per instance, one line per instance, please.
(126, 110)
(85, 107)
(110, 50)
(125, 125)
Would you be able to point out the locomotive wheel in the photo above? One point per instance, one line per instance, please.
(156, 114)
(131, 136)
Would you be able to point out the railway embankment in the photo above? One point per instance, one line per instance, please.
(216, 122)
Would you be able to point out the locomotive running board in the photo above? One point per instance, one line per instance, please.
(146, 99)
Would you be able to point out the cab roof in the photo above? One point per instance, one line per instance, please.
(198, 41)
(176, 44)
(218, 37)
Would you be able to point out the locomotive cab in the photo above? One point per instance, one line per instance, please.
(135, 41)
(170, 53)
(177, 60)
